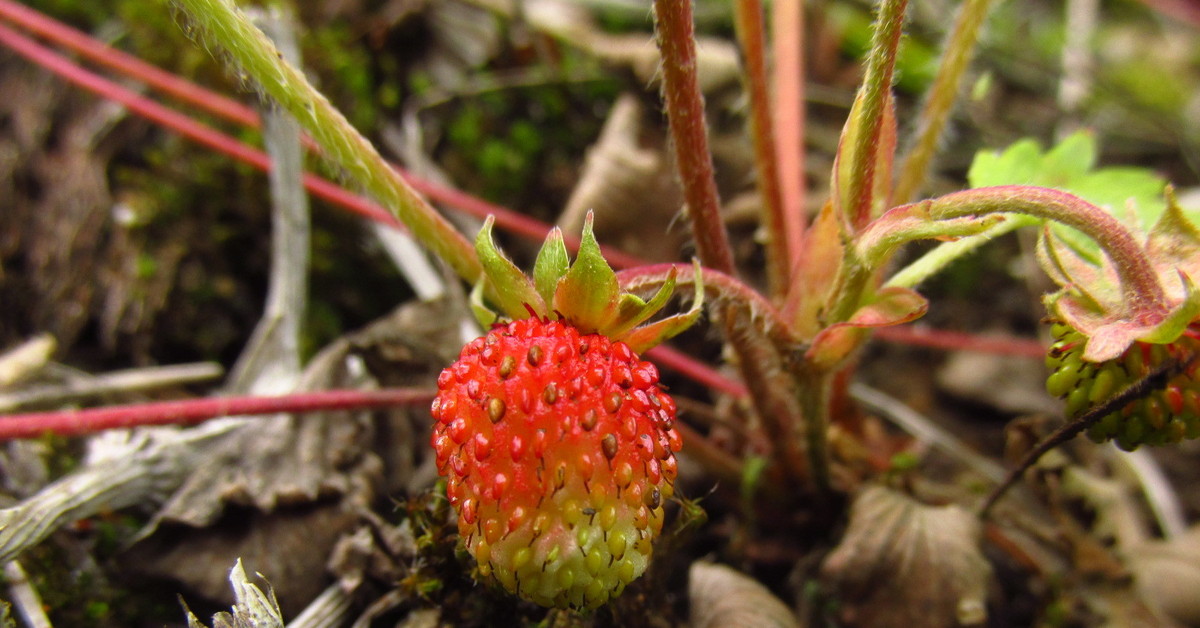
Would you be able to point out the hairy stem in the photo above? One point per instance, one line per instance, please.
(787, 23)
(750, 31)
(1139, 281)
(960, 47)
(719, 285)
(875, 93)
(689, 133)
(249, 48)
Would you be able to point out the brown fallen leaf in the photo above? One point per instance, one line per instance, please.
(903, 564)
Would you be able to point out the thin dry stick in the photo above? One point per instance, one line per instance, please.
(1155, 380)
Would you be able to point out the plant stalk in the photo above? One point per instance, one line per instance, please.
(876, 94)
(1139, 281)
(224, 24)
(689, 131)
(750, 31)
(191, 411)
(787, 24)
(939, 101)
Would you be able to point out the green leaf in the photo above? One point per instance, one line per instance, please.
(512, 290)
(633, 311)
(551, 264)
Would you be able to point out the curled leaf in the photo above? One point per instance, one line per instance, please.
(903, 564)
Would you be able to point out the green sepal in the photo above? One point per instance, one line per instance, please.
(552, 263)
(482, 312)
(656, 333)
(511, 289)
(633, 311)
(587, 295)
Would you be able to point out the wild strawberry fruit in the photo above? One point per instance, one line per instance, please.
(1167, 415)
(559, 452)
(557, 442)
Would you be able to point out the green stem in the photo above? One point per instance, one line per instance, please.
(689, 133)
(224, 24)
(960, 47)
(750, 29)
(814, 393)
(876, 93)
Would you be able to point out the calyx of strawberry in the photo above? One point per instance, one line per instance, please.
(1142, 293)
(585, 293)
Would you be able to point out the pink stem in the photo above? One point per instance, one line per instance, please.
(789, 109)
(751, 35)
(696, 370)
(959, 341)
(191, 411)
(232, 110)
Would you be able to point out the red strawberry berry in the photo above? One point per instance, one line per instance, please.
(559, 452)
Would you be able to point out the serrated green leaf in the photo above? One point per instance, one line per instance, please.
(551, 264)
(587, 295)
(512, 289)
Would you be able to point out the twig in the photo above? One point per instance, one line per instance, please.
(131, 380)
(24, 597)
(1153, 381)
(76, 422)
(26, 359)
(270, 361)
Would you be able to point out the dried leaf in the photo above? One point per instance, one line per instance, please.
(1168, 575)
(253, 608)
(903, 564)
(721, 596)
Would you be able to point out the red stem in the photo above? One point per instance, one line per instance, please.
(751, 35)
(689, 132)
(232, 110)
(789, 109)
(191, 411)
(959, 341)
